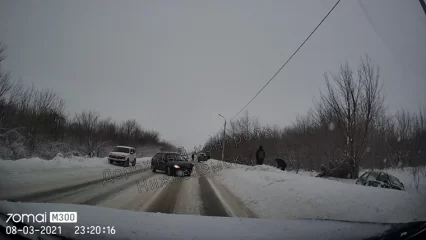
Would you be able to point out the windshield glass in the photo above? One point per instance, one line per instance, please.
(373, 176)
(175, 157)
(364, 175)
(278, 110)
(394, 179)
(121, 149)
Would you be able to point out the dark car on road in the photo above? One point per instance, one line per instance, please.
(379, 179)
(172, 163)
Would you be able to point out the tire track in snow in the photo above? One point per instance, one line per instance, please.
(116, 190)
(199, 195)
(46, 195)
(212, 206)
(189, 198)
(166, 200)
(233, 206)
(136, 198)
(89, 193)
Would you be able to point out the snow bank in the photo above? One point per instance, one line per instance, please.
(29, 164)
(32, 175)
(272, 193)
(58, 162)
(405, 175)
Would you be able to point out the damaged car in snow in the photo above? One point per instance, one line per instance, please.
(380, 179)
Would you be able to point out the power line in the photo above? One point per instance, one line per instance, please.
(288, 59)
(422, 2)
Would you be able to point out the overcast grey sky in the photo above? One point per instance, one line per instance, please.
(174, 65)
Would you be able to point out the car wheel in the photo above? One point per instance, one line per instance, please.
(153, 169)
(126, 164)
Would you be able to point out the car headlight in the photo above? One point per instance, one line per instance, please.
(176, 166)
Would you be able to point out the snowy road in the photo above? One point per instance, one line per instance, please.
(214, 189)
(140, 191)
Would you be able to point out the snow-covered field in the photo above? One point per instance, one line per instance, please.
(272, 193)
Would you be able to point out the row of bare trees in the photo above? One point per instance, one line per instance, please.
(33, 123)
(347, 128)
(93, 133)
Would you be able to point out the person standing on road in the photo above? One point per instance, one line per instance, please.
(260, 155)
(192, 156)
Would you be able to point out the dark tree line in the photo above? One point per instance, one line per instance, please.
(33, 123)
(347, 128)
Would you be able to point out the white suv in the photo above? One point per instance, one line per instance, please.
(122, 155)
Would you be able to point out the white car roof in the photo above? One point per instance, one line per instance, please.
(124, 146)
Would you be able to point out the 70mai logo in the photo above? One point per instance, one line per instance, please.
(27, 218)
(54, 217)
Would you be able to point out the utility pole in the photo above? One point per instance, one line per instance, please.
(223, 138)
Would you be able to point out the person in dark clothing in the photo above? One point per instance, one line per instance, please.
(281, 163)
(260, 155)
(192, 156)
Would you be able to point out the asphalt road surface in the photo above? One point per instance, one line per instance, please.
(151, 192)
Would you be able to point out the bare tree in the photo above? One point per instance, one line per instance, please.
(347, 127)
(355, 103)
(406, 139)
(88, 121)
(5, 84)
(151, 136)
(34, 119)
(419, 136)
(128, 128)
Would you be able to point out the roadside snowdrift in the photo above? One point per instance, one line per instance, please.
(36, 164)
(272, 193)
(32, 175)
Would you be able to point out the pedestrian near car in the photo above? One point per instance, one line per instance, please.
(281, 163)
(260, 155)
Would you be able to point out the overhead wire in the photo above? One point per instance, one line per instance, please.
(288, 60)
